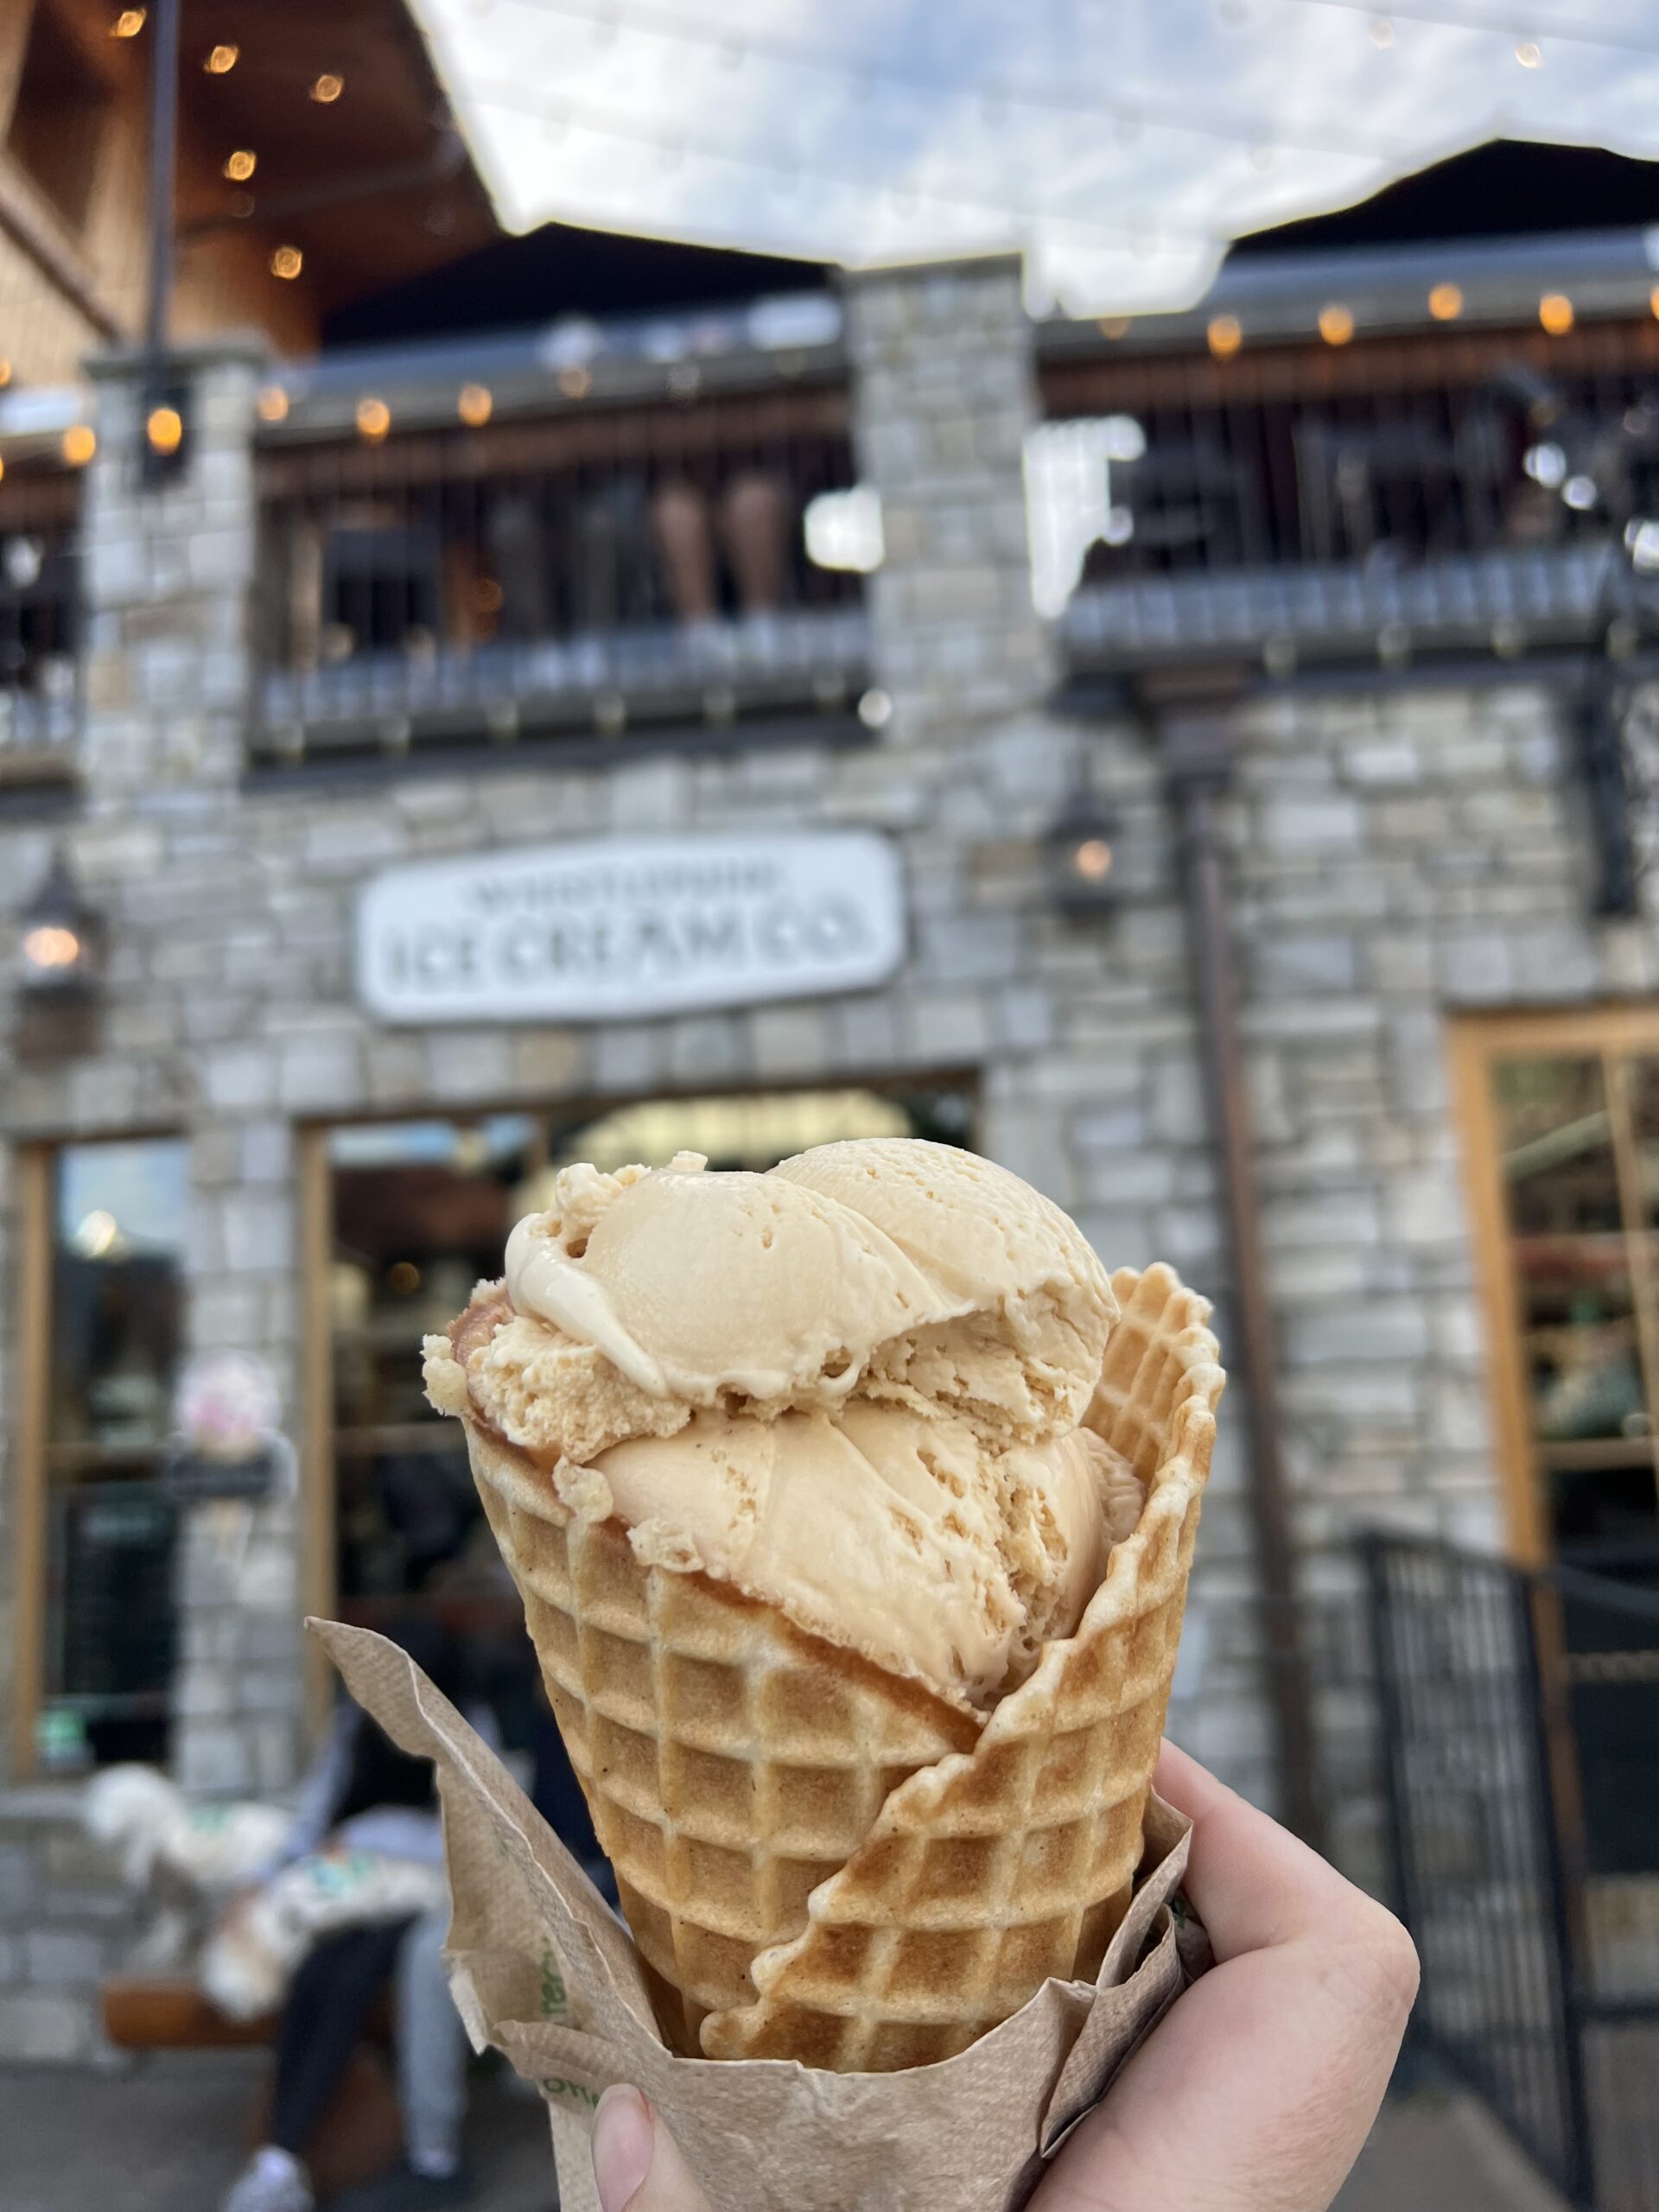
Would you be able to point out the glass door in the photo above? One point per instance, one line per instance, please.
(115, 1338)
(1562, 1118)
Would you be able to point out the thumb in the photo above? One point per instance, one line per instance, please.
(637, 2163)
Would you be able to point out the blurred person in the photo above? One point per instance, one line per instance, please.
(365, 1793)
(1256, 2089)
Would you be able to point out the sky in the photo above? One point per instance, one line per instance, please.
(1121, 143)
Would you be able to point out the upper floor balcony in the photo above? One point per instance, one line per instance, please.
(581, 536)
(1357, 460)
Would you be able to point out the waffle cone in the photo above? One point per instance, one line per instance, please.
(818, 1859)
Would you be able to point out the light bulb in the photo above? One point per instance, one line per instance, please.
(164, 428)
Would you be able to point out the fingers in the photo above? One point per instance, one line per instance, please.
(1256, 2091)
(1254, 1885)
(637, 2163)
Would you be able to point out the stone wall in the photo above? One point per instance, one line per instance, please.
(1397, 854)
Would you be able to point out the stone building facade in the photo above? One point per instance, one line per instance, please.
(1399, 854)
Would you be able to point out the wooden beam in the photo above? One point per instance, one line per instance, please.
(30, 234)
(33, 1337)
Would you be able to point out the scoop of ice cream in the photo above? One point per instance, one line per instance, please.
(853, 1386)
(891, 1267)
(891, 1532)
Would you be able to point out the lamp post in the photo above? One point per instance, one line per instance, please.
(64, 940)
(163, 410)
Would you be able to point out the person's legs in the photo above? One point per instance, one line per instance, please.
(432, 2048)
(328, 2002)
(323, 2015)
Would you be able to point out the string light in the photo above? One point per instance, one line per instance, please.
(1382, 31)
(1529, 54)
(272, 403)
(327, 88)
(3, 471)
(575, 382)
(1335, 323)
(1225, 335)
(222, 61)
(164, 428)
(475, 405)
(1117, 325)
(1445, 303)
(240, 165)
(5, 366)
(128, 23)
(373, 420)
(287, 263)
(1653, 302)
(1555, 313)
(79, 444)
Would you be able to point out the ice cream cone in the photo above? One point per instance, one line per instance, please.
(821, 1861)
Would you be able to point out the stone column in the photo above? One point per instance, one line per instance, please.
(943, 392)
(169, 573)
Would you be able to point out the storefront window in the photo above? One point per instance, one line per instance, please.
(1578, 1135)
(116, 1325)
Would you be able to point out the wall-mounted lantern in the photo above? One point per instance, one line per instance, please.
(64, 939)
(1080, 851)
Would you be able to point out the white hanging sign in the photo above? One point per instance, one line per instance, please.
(616, 929)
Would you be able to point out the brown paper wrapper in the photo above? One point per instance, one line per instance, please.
(544, 1973)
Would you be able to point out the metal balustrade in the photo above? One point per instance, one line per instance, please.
(589, 575)
(1519, 1717)
(1496, 493)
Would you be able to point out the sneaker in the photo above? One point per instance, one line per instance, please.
(271, 2181)
(404, 2191)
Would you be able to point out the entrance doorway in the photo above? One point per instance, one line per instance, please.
(1560, 1116)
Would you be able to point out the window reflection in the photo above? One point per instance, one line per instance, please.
(117, 1331)
(1576, 1133)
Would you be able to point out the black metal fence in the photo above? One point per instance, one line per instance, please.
(1520, 1712)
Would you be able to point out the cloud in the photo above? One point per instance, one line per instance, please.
(1120, 143)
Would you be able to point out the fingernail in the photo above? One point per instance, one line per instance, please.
(623, 2143)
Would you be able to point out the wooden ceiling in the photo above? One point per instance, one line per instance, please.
(373, 187)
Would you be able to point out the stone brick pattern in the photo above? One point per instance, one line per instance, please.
(1397, 854)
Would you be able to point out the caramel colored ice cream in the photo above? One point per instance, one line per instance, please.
(854, 1388)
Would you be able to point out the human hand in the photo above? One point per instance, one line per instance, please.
(1259, 2086)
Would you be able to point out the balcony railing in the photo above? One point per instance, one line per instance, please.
(1497, 492)
(39, 628)
(593, 575)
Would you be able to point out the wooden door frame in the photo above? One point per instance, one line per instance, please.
(319, 1573)
(32, 1336)
(1474, 1041)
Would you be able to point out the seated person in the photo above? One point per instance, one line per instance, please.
(365, 1793)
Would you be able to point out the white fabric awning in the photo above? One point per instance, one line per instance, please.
(1121, 143)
